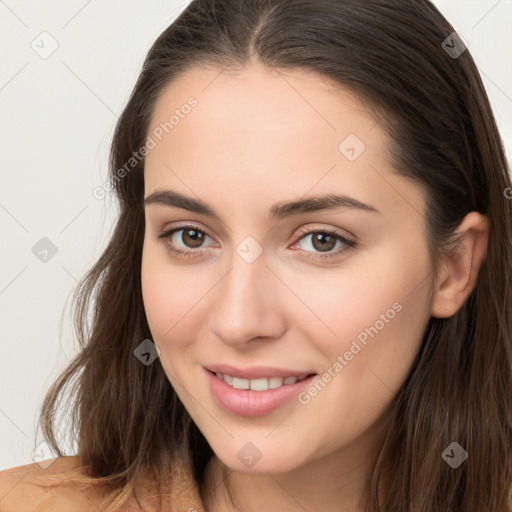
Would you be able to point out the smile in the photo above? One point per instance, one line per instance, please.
(262, 384)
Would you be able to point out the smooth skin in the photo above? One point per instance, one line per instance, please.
(256, 138)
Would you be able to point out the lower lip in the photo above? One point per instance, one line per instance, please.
(251, 404)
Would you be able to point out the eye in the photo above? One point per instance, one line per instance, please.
(191, 236)
(189, 242)
(324, 241)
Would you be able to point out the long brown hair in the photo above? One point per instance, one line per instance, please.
(392, 54)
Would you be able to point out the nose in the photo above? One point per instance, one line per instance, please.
(247, 303)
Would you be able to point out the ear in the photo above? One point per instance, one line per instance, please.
(459, 269)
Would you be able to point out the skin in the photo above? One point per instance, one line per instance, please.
(256, 138)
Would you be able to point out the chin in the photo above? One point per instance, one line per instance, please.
(250, 460)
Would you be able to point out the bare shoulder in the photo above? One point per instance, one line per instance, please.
(45, 486)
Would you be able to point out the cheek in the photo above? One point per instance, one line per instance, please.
(168, 303)
(176, 304)
(342, 304)
(378, 325)
(373, 315)
(159, 304)
(166, 292)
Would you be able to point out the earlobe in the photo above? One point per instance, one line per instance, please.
(459, 268)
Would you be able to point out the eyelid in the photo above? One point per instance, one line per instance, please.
(308, 229)
(190, 225)
(302, 231)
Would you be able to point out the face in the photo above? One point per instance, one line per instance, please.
(334, 289)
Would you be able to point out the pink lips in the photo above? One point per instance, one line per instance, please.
(252, 404)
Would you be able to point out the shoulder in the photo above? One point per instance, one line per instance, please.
(45, 486)
(48, 486)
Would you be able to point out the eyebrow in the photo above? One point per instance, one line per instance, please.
(279, 210)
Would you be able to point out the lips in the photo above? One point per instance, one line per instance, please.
(251, 403)
(258, 372)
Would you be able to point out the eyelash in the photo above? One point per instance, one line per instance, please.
(350, 245)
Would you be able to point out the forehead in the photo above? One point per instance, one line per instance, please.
(284, 102)
(268, 132)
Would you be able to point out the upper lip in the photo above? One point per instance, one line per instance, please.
(256, 372)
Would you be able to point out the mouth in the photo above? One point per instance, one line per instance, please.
(257, 397)
(262, 383)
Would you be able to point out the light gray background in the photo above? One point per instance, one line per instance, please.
(57, 119)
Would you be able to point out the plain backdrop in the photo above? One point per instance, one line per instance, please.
(57, 117)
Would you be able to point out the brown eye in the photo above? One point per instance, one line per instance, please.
(323, 242)
(192, 238)
(184, 241)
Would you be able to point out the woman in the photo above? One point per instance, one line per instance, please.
(306, 302)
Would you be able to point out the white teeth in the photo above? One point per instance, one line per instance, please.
(240, 383)
(262, 384)
(275, 382)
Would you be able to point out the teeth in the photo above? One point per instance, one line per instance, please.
(262, 384)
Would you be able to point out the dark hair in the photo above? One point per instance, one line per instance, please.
(127, 417)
